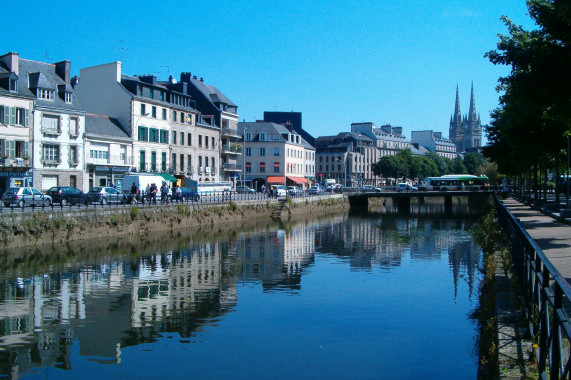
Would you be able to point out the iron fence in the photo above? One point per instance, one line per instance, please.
(546, 296)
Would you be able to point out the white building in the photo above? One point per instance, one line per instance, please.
(434, 142)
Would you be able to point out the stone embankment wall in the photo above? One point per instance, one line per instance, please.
(59, 227)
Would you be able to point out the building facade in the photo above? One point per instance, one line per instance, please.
(434, 142)
(16, 122)
(389, 139)
(274, 155)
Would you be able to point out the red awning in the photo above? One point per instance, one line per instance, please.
(299, 180)
(275, 180)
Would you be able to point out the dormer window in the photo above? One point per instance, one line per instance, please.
(46, 94)
(13, 85)
(262, 136)
(67, 97)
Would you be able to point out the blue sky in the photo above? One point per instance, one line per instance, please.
(337, 62)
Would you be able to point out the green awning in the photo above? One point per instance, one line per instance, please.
(169, 177)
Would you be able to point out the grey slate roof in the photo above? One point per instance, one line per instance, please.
(104, 126)
(270, 128)
(43, 75)
(212, 92)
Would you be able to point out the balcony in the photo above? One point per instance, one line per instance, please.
(232, 167)
(15, 162)
(232, 148)
(118, 160)
(229, 132)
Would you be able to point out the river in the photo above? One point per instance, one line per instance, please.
(344, 297)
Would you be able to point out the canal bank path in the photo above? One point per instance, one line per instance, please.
(552, 236)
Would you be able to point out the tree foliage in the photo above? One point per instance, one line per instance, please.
(534, 111)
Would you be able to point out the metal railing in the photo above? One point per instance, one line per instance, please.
(546, 295)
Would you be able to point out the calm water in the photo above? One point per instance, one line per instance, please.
(349, 297)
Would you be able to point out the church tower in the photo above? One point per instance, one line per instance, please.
(466, 131)
(455, 133)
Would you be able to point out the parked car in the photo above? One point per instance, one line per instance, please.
(315, 190)
(406, 187)
(370, 189)
(65, 195)
(278, 191)
(187, 194)
(245, 190)
(105, 195)
(294, 191)
(25, 196)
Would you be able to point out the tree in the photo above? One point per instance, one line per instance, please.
(472, 161)
(458, 166)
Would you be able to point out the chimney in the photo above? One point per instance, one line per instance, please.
(74, 81)
(194, 77)
(185, 77)
(202, 79)
(63, 69)
(12, 62)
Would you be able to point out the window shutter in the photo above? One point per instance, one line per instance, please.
(12, 148)
(7, 148)
(13, 115)
(27, 148)
(6, 115)
(27, 120)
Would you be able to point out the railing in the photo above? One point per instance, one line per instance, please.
(111, 160)
(545, 291)
(229, 132)
(232, 148)
(231, 167)
(15, 162)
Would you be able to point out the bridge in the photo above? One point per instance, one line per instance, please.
(402, 200)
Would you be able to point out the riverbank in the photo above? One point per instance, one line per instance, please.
(62, 227)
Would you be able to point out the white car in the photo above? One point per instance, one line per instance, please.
(406, 187)
(279, 191)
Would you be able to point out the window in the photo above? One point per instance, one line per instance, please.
(162, 97)
(50, 154)
(164, 161)
(164, 113)
(248, 167)
(174, 137)
(206, 142)
(73, 127)
(248, 136)
(276, 151)
(46, 94)
(248, 151)
(67, 97)
(189, 139)
(164, 136)
(213, 142)
(153, 135)
(142, 163)
(213, 165)
(153, 161)
(182, 138)
(189, 163)
(13, 85)
(173, 161)
(151, 93)
(143, 134)
(173, 115)
(262, 166)
(200, 141)
(50, 124)
(73, 155)
(154, 112)
(14, 116)
(182, 162)
(276, 167)
(143, 110)
(262, 136)
(262, 151)
(182, 117)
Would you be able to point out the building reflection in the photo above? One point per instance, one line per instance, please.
(105, 306)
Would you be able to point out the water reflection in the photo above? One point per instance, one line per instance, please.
(107, 302)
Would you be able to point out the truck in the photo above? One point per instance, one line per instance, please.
(141, 180)
(330, 185)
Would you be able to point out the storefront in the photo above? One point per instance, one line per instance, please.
(12, 178)
(106, 176)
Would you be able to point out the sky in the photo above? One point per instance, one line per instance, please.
(337, 62)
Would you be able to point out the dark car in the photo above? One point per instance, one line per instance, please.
(65, 195)
(187, 194)
(105, 195)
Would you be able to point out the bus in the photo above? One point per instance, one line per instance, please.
(206, 188)
(456, 182)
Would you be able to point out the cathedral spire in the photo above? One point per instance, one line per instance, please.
(472, 116)
(457, 114)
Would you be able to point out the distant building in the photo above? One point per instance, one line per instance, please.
(466, 131)
(389, 139)
(292, 121)
(275, 155)
(434, 142)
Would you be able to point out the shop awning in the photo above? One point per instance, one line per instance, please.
(299, 180)
(275, 180)
(169, 177)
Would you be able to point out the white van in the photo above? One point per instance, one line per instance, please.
(141, 181)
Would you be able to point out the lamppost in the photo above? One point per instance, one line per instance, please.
(344, 161)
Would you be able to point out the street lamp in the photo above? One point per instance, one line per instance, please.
(344, 161)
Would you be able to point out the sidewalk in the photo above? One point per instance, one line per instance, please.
(552, 236)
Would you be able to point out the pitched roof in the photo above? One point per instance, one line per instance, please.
(104, 126)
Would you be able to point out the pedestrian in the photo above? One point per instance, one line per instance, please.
(153, 192)
(164, 193)
(133, 192)
(147, 193)
(263, 189)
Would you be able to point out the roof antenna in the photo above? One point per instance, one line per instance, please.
(47, 56)
(123, 49)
